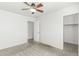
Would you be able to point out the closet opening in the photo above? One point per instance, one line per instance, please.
(70, 34)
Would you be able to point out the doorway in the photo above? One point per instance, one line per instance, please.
(30, 31)
(70, 34)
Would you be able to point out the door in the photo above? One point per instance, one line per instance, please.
(30, 30)
(36, 31)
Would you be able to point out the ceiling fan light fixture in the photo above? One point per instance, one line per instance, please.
(32, 10)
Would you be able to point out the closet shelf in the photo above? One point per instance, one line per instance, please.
(70, 24)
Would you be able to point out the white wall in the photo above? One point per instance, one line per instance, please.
(13, 29)
(51, 26)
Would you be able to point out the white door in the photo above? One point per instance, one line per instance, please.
(30, 30)
(36, 31)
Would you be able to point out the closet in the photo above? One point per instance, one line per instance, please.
(70, 29)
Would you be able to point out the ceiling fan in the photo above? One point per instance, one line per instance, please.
(33, 7)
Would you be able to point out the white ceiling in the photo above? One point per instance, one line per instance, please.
(48, 7)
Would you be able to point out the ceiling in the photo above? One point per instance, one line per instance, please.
(49, 7)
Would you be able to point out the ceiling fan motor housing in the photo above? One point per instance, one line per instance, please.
(33, 12)
(33, 4)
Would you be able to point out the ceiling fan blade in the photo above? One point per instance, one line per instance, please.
(27, 3)
(39, 5)
(39, 10)
(25, 9)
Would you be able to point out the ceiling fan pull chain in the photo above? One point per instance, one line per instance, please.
(32, 12)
